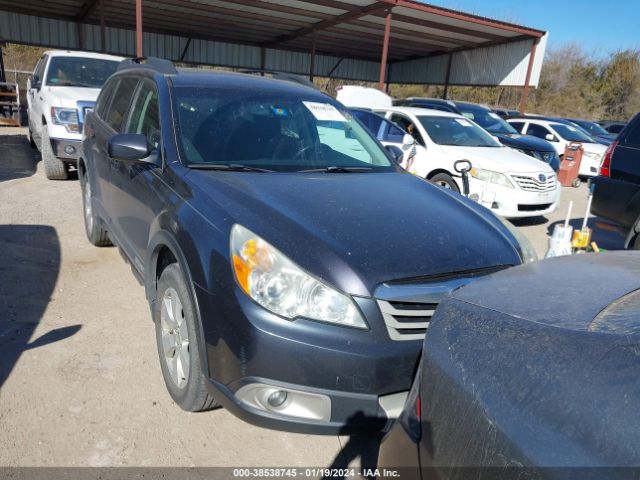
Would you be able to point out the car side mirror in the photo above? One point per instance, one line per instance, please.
(35, 81)
(407, 139)
(131, 147)
(551, 137)
(396, 154)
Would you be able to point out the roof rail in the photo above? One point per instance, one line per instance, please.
(160, 65)
(290, 77)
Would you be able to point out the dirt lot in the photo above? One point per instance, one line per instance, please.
(79, 377)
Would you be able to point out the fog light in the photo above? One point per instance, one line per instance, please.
(276, 399)
(495, 205)
(69, 149)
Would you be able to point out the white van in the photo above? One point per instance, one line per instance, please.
(354, 96)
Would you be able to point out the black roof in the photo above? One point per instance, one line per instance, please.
(189, 76)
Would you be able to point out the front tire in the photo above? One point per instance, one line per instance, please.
(445, 181)
(54, 168)
(93, 225)
(177, 335)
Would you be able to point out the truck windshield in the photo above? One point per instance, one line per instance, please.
(218, 127)
(79, 72)
(456, 131)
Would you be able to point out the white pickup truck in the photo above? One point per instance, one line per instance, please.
(63, 87)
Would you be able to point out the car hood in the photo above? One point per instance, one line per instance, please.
(525, 142)
(498, 159)
(358, 230)
(69, 96)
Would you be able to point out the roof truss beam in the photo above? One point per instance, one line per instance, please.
(353, 14)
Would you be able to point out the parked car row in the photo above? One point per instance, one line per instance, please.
(513, 175)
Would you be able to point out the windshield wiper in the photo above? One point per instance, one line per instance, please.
(231, 167)
(335, 169)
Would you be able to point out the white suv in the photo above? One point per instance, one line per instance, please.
(509, 183)
(63, 87)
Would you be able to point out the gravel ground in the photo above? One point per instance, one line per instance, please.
(79, 377)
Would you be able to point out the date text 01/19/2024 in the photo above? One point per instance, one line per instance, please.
(314, 472)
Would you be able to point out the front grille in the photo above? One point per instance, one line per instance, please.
(534, 183)
(406, 321)
(407, 305)
(534, 208)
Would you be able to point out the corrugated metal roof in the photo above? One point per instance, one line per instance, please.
(346, 33)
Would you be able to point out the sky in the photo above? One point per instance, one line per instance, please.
(601, 27)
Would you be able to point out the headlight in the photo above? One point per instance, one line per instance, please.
(592, 155)
(527, 252)
(491, 177)
(65, 116)
(282, 287)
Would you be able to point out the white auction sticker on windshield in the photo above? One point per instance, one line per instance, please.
(573, 129)
(464, 122)
(494, 115)
(325, 112)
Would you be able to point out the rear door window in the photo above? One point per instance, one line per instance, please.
(517, 125)
(120, 104)
(538, 130)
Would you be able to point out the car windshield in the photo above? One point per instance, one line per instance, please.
(491, 122)
(592, 127)
(218, 127)
(571, 133)
(456, 131)
(79, 71)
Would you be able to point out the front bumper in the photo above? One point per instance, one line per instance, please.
(66, 149)
(515, 202)
(337, 379)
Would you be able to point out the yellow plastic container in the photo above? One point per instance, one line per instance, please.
(581, 238)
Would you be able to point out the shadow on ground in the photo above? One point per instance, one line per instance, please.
(19, 160)
(363, 447)
(606, 235)
(29, 268)
(529, 221)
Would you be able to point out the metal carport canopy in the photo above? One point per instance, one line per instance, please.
(396, 41)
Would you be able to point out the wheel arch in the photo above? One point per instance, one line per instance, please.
(435, 172)
(164, 248)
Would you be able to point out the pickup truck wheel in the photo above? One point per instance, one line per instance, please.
(54, 168)
(177, 340)
(93, 226)
(445, 181)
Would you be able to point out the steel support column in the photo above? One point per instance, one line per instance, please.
(103, 43)
(525, 90)
(445, 94)
(312, 63)
(385, 51)
(3, 77)
(263, 58)
(139, 28)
